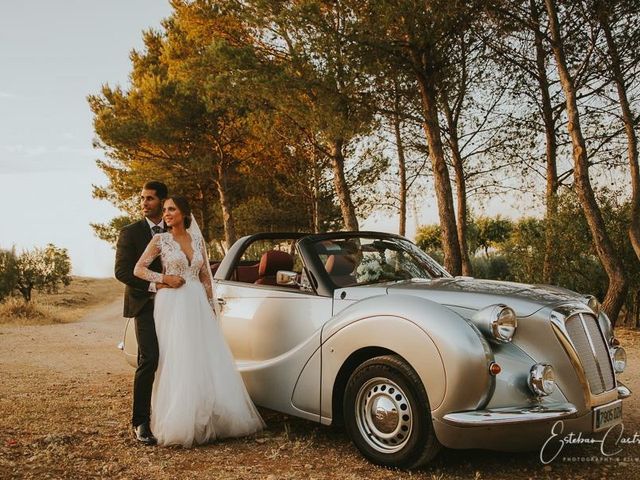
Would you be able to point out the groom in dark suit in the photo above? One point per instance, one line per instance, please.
(138, 302)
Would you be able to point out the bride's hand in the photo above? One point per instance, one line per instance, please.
(174, 281)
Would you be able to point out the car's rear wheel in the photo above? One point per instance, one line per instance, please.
(387, 414)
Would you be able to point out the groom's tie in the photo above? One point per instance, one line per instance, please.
(157, 229)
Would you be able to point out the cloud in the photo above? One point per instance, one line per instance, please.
(26, 150)
(7, 95)
(19, 158)
(40, 150)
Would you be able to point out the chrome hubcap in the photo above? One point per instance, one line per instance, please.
(383, 415)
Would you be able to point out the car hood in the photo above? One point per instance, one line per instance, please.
(473, 294)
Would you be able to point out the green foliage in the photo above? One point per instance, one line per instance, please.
(42, 269)
(576, 262)
(429, 238)
(8, 272)
(495, 267)
(617, 218)
(515, 250)
(490, 232)
(523, 249)
(482, 232)
(250, 109)
(213, 114)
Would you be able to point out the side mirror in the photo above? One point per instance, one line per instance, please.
(287, 279)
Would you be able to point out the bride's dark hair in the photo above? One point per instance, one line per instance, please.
(183, 205)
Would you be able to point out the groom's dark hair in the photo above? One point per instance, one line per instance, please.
(183, 205)
(160, 188)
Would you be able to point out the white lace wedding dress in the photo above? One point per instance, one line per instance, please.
(198, 394)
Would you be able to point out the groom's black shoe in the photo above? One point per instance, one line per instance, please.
(142, 433)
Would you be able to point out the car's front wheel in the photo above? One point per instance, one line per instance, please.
(387, 414)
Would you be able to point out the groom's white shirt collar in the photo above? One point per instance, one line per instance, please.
(151, 224)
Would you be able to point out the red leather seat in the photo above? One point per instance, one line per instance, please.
(247, 273)
(270, 263)
(340, 268)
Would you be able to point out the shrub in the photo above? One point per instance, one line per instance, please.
(42, 269)
(8, 272)
(17, 310)
(495, 267)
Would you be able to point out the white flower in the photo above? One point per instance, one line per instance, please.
(369, 270)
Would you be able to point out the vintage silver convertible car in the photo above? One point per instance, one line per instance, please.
(366, 330)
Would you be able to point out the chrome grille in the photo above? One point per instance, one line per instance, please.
(593, 352)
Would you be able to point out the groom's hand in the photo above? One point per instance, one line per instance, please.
(161, 285)
(174, 281)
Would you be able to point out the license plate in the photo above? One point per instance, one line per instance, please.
(607, 415)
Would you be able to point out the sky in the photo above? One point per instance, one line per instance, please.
(52, 55)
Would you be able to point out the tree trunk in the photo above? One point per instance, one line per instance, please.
(26, 292)
(204, 209)
(450, 244)
(461, 191)
(227, 210)
(221, 248)
(342, 189)
(617, 287)
(636, 310)
(461, 188)
(551, 197)
(627, 118)
(402, 168)
(315, 195)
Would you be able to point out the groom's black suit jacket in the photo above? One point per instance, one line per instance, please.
(132, 241)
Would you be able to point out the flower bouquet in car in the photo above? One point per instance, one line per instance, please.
(372, 269)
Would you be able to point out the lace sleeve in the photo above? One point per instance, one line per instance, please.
(205, 273)
(141, 269)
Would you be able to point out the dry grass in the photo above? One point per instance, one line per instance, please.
(16, 310)
(68, 305)
(629, 337)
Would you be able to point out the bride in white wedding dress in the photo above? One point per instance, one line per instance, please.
(198, 394)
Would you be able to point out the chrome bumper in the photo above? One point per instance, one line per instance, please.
(514, 415)
(510, 415)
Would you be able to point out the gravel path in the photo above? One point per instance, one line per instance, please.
(65, 404)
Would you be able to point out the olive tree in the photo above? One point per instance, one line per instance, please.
(42, 269)
(8, 272)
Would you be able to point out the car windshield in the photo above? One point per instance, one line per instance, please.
(368, 260)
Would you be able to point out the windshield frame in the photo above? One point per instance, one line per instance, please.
(323, 280)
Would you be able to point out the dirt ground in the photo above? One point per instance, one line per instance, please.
(65, 395)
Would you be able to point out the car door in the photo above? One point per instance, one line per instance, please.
(274, 335)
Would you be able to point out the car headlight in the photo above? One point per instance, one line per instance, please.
(542, 379)
(593, 304)
(619, 357)
(498, 322)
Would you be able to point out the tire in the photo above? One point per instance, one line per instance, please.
(401, 433)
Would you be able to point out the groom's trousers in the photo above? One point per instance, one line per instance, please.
(147, 365)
